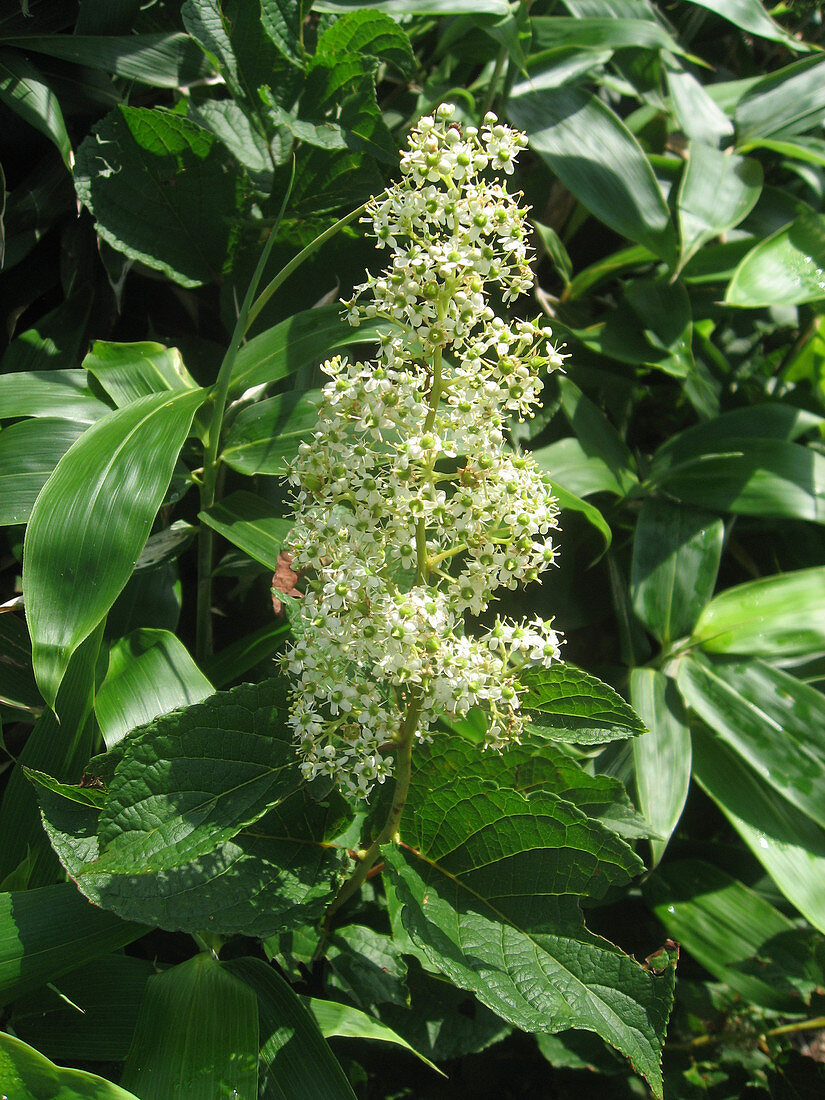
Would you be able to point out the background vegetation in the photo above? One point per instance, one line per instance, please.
(676, 173)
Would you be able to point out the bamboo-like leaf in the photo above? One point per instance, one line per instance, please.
(345, 1022)
(91, 521)
(751, 16)
(265, 436)
(790, 101)
(58, 393)
(29, 452)
(786, 268)
(249, 523)
(717, 191)
(129, 371)
(24, 90)
(24, 1074)
(160, 60)
(196, 1035)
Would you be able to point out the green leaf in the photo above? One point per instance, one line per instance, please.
(777, 616)
(761, 477)
(159, 191)
(788, 844)
(571, 705)
(265, 436)
(24, 90)
(676, 554)
(772, 720)
(29, 452)
(91, 521)
(581, 472)
(418, 7)
(299, 341)
(697, 115)
(660, 313)
(150, 673)
(661, 757)
(227, 120)
(239, 657)
(160, 60)
(196, 1035)
(193, 779)
(54, 341)
(129, 371)
(58, 393)
(789, 101)
(611, 32)
(108, 992)
(569, 501)
(297, 1063)
(787, 268)
(716, 192)
(282, 19)
(735, 934)
(338, 1021)
(487, 882)
(251, 524)
(17, 685)
(597, 158)
(27, 1075)
(47, 932)
(371, 33)
(367, 966)
(751, 17)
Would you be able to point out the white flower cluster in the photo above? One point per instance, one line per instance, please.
(411, 510)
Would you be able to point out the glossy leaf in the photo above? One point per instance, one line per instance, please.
(568, 704)
(24, 90)
(248, 522)
(596, 32)
(25, 1074)
(370, 32)
(735, 934)
(774, 721)
(751, 16)
(58, 393)
(717, 191)
(29, 452)
(570, 502)
(265, 436)
(129, 371)
(47, 932)
(196, 1035)
(297, 1063)
(92, 520)
(788, 844)
(17, 686)
(782, 615)
(576, 468)
(661, 756)
(418, 7)
(789, 101)
(338, 1021)
(159, 191)
(487, 882)
(698, 115)
(150, 673)
(228, 121)
(787, 268)
(676, 553)
(160, 60)
(597, 158)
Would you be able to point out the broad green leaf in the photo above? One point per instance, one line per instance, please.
(611, 32)
(54, 342)
(27, 1075)
(661, 757)
(299, 341)
(91, 521)
(787, 268)
(338, 1021)
(553, 68)
(160, 60)
(418, 7)
(29, 452)
(159, 191)
(487, 882)
(735, 934)
(789, 101)
(24, 90)
(676, 553)
(578, 469)
(367, 966)
(597, 158)
(227, 120)
(371, 33)
(297, 1063)
(569, 501)
(751, 16)
(57, 393)
(47, 932)
(716, 192)
(239, 657)
(193, 779)
(782, 615)
(788, 844)
(282, 19)
(150, 673)
(568, 704)
(196, 1035)
(660, 313)
(62, 742)
(810, 150)
(17, 685)
(772, 720)
(698, 116)
(595, 433)
(103, 17)
(251, 524)
(107, 992)
(265, 436)
(129, 371)
(751, 476)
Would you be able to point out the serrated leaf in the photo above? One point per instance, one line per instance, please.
(196, 1035)
(772, 720)
(91, 521)
(568, 704)
(29, 452)
(251, 524)
(129, 371)
(281, 19)
(265, 436)
(25, 1074)
(371, 33)
(482, 885)
(676, 554)
(158, 187)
